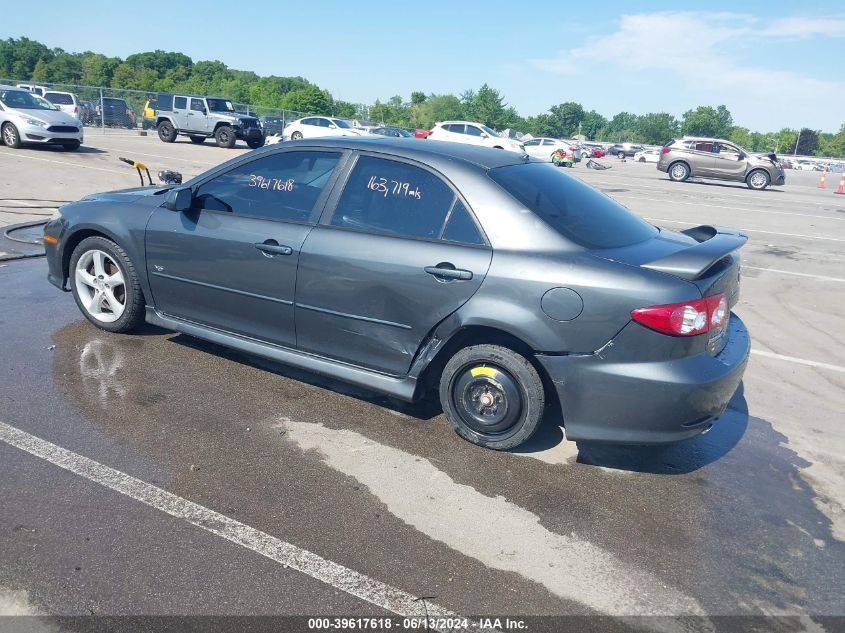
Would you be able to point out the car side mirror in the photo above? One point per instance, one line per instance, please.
(333, 126)
(180, 199)
(741, 156)
(204, 111)
(484, 135)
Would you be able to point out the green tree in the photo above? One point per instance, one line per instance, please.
(487, 106)
(657, 127)
(742, 137)
(309, 99)
(40, 72)
(806, 143)
(623, 127)
(123, 77)
(65, 68)
(592, 124)
(98, 70)
(417, 97)
(708, 121)
(437, 108)
(564, 119)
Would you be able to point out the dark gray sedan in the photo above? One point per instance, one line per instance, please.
(408, 267)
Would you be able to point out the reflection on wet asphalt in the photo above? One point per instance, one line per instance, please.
(720, 524)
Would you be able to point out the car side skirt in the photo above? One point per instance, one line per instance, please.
(400, 387)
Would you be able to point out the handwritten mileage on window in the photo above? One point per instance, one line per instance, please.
(394, 188)
(272, 184)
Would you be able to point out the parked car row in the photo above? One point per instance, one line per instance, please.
(29, 119)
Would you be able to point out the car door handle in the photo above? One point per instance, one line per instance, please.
(271, 248)
(448, 273)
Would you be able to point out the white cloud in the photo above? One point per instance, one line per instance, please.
(802, 28)
(703, 52)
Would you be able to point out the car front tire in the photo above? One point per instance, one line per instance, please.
(492, 396)
(296, 136)
(11, 136)
(678, 172)
(105, 285)
(620, 155)
(758, 179)
(225, 136)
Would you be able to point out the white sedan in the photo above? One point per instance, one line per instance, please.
(647, 156)
(316, 126)
(472, 133)
(543, 148)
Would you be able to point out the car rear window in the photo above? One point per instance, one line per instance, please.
(59, 98)
(580, 213)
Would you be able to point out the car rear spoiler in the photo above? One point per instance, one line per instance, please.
(714, 243)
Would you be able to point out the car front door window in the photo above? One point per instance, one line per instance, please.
(283, 186)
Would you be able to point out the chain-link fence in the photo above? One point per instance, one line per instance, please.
(98, 106)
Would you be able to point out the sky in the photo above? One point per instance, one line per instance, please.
(774, 64)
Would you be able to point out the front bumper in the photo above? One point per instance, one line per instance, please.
(612, 396)
(35, 134)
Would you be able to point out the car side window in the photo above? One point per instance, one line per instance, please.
(197, 104)
(473, 131)
(281, 186)
(704, 146)
(180, 103)
(460, 226)
(455, 128)
(386, 196)
(309, 121)
(532, 142)
(323, 122)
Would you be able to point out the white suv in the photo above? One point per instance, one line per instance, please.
(64, 101)
(472, 134)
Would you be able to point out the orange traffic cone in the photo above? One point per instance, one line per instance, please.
(841, 187)
(821, 180)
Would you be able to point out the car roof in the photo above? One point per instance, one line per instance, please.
(705, 138)
(461, 122)
(424, 150)
(4, 87)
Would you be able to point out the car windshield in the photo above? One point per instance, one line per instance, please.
(22, 100)
(341, 123)
(489, 131)
(575, 210)
(220, 105)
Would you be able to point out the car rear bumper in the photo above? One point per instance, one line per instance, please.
(609, 397)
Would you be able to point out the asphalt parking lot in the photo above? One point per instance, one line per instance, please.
(277, 478)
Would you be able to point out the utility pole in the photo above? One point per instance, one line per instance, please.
(795, 153)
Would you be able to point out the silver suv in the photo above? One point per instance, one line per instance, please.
(202, 117)
(694, 157)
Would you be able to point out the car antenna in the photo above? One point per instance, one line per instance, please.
(139, 167)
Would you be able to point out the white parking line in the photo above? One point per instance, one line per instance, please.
(801, 235)
(798, 361)
(61, 162)
(331, 573)
(789, 272)
(730, 208)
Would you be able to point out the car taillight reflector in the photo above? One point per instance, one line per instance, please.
(686, 318)
(665, 150)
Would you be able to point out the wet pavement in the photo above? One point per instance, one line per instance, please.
(724, 524)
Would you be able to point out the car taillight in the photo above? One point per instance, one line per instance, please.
(665, 150)
(686, 318)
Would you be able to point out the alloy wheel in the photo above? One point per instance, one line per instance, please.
(101, 286)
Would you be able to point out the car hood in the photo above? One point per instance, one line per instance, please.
(126, 195)
(50, 116)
